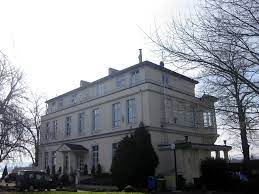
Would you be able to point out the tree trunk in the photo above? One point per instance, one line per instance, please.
(243, 133)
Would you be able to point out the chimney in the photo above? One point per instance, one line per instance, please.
(140, 56)
(112, 71)
(83, 83)
(162, 64)
(225, 142)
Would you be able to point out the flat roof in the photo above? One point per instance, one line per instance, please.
(144, 63)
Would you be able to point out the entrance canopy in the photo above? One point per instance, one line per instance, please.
(67, 147)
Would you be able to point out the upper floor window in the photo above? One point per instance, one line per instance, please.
(120, 82)
(53, 107)
(95, 155)
(68, 126)
(134, 77)
(96, 119)
(47, 134)
(165, 80)
(116, 115)
(131, 111)
(73, 99)
(207, 119)
(100, 90)
(54, 129)
(81, 122)
(60, 103)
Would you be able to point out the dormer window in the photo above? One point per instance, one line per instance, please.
(100, 90)
(134, 77)
(60, 103)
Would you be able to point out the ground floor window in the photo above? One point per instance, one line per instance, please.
(65, 162)
(95, 155)
(114, 149)
(46, 160)
(80, 162)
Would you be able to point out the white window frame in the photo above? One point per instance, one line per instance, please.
(47, 134)
(46, 160)
(68, 125)
(100, 89)
(95, 155)
(96, 119)
(114, 148)
(81, 122)
(60, 103)
(134, 77)
(207, 119)
(120, 82)
(131, 111)
(116, 115)
(54, 129)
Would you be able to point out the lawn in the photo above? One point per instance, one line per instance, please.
(66, 192)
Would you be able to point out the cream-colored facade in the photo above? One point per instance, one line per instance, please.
(84, 125)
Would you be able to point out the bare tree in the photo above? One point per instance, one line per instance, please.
(11, 114)
(35, 109)
(222, 43)
(195, 42)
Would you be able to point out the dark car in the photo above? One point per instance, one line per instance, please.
(31, 180)
(9, 182)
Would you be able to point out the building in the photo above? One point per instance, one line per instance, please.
(84, 126)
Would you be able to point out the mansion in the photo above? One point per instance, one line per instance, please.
(84, 126)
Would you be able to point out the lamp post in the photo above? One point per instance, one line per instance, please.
(175, 166)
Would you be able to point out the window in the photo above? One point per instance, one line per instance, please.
(120, 82)
(134, 77)
(73, 99)
(53, 159)
(100, 90)
(60, 103)
(207, 119)
(116, 115)
(80, 162)
(47, 134)
(53, 107)
(95, 155)
(54, 129)
(81, 122)
(96, 119)
(46, 160)
(114, 149)
(131, 111)
(68, 126)
(65, 162)
(165, 80)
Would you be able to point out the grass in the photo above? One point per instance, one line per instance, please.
(66, 192)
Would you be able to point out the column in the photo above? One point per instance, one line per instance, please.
(226, 155)
(217, 154)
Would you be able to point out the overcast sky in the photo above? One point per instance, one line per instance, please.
(58, 43)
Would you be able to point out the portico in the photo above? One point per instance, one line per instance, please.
(71, 157)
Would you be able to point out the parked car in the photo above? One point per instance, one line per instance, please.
(31, 180)
(9, 182)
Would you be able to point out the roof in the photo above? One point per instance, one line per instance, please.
(190, 145)
(144, 63)
(71, 147)
(75, 147)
